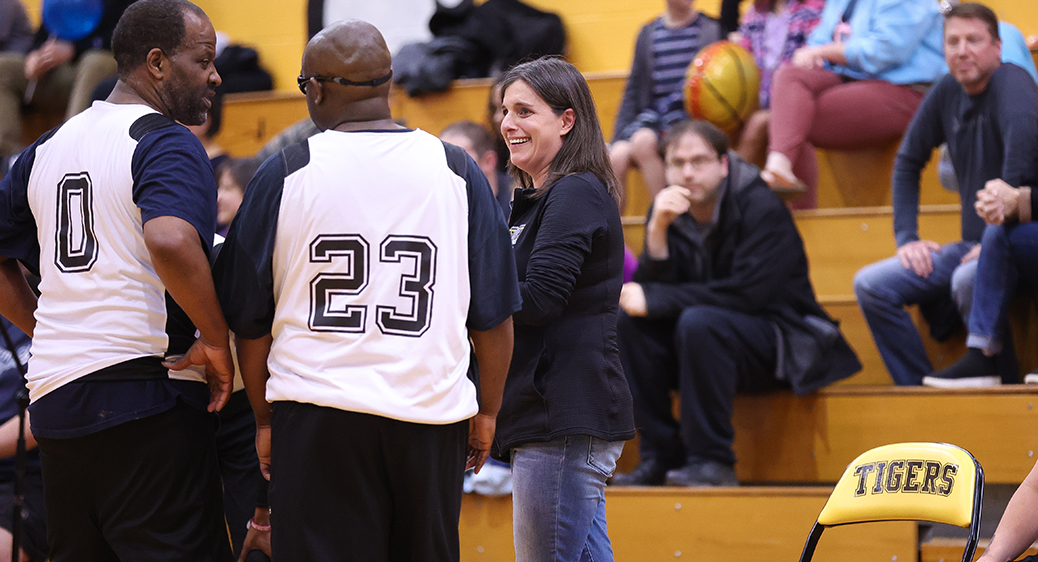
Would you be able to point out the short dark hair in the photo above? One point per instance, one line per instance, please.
(478, 135)
(705, 130)
(562, 87)
(973, 11)
(147, 25)
(240, 169)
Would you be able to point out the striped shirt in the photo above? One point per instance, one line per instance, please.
(672, 52)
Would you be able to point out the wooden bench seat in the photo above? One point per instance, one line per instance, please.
(746, 524)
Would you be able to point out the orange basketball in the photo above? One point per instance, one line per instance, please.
(722, 85)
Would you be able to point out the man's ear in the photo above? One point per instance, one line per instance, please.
(488, 160)
(157, 64)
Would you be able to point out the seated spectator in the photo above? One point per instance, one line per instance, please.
(721, 302)
(232, 177)
(987, 112)
(653, 97)
(772, 30)
(33, 539)
(55, 75)
(1009, 260)
(856, 84)
(495, 115)
(479, 144)
(15, 32)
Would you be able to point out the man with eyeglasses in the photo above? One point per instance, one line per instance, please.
(721, 302)
(360, 264)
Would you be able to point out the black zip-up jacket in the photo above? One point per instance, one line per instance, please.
(565, 377)
(753, 262)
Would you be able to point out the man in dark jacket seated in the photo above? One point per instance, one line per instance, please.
(721, 302)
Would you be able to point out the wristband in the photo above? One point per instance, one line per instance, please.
(253, 525)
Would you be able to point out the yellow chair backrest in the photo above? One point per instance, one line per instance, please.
(905, 481)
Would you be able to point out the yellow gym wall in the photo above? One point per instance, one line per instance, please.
(601, 32)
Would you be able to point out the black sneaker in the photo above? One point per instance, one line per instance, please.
(703, 474)
(650, 472)
(974, 370)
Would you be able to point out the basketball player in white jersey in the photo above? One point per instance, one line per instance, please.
(116, 209)
(359, 265)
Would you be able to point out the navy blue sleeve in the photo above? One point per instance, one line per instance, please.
(493, 280)
(243, 271)
(172, 176)
(924, 134)
(17, 224)
(1017, 106)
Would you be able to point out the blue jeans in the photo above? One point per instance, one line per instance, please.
(885, 288)
(1009, 257)
(558, 499)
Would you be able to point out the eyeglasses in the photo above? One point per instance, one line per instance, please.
(302, 80)
(697, 162)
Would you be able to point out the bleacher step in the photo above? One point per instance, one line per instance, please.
(781, 438)
(746, 524)
(950, 550)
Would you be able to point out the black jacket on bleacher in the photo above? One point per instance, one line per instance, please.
(754, 263)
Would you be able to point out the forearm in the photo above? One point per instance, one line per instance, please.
(9, 437)
(656, 240)
(252, 361)
(182, 265)
(834, 53)
(19, 302)
(493, 349)
(1019, 525)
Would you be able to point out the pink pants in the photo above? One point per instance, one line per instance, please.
(818, 108)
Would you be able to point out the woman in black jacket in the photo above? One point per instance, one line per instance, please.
(567, 407)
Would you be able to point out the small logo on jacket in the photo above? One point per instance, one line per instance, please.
(515, 231)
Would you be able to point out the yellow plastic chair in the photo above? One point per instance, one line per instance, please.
(934, 482)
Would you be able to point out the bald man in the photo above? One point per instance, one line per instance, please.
(350, 279)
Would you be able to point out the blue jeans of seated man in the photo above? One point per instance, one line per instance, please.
(1009, 258)
(558, 499)
(885, 288)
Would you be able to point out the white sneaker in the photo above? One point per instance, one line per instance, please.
(965, 382)
(1031, 378)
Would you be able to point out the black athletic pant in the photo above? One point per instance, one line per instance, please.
(239, 467)
(363, 488)
(146, 490)
(707, 354)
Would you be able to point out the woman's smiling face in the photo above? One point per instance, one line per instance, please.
(533, 131)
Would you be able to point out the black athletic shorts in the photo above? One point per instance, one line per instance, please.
(363, 488)
(144, 490)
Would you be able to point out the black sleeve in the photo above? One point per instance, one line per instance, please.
(17, 224)
(924, 134)
(638, 79)
(493, 280)
(654, 270)
(243, 272)
(764, 259)
(1017, 103)
(572, 213)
